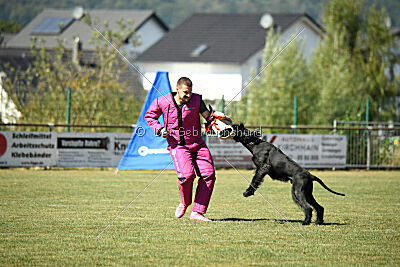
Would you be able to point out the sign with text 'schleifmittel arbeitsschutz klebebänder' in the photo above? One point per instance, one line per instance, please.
(28, 149)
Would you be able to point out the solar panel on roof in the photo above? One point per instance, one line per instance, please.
(51, 25)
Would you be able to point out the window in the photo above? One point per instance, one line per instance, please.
(52, 26)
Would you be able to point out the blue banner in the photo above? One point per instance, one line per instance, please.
(146, 150)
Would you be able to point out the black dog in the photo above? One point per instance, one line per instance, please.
(272, 161)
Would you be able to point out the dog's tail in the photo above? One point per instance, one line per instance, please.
(315, 178)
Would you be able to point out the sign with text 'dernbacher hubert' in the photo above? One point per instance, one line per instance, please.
(83, 143)
(90, 149)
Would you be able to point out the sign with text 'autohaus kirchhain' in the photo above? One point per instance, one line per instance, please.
(18, 149)
(310, 151)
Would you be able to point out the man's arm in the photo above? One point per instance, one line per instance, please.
(206, 114)
(204, 111)
(152, 115)
(210, 115)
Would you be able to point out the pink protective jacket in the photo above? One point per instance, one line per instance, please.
(165, 106)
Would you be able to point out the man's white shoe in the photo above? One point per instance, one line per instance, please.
(195, 216)
(180, 210)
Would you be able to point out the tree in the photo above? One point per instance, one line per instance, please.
(98, 94)
(351, 64)
(6, 26)
(378, 46)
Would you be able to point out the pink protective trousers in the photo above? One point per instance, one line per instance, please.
(190, 160)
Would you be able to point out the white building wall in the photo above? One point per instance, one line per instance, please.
(250, 69)
(8, 111)
(210, 80)
(308, 39)
(213, 80)
(147, 35)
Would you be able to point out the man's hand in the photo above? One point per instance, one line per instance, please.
(164, 133)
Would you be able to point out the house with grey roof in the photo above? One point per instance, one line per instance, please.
(71, 26)
(219, 51)
(67, 24)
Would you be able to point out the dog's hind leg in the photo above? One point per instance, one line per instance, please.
(257, 180)
(299, 197)
(318, 208)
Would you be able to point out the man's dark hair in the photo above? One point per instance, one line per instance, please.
(184, 80)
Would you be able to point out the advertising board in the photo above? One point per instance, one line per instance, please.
(28, 149)
(90, 149)
(310, 151)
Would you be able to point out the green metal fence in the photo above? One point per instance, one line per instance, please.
(375, 146)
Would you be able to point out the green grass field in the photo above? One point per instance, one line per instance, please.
(53, 218)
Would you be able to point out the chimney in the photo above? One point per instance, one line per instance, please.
(76, 49)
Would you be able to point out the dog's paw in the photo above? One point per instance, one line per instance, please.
(319, 222)
(248, 193)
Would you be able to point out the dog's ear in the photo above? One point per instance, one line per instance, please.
(241, 126)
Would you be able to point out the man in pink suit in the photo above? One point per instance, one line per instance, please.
(189, 152)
